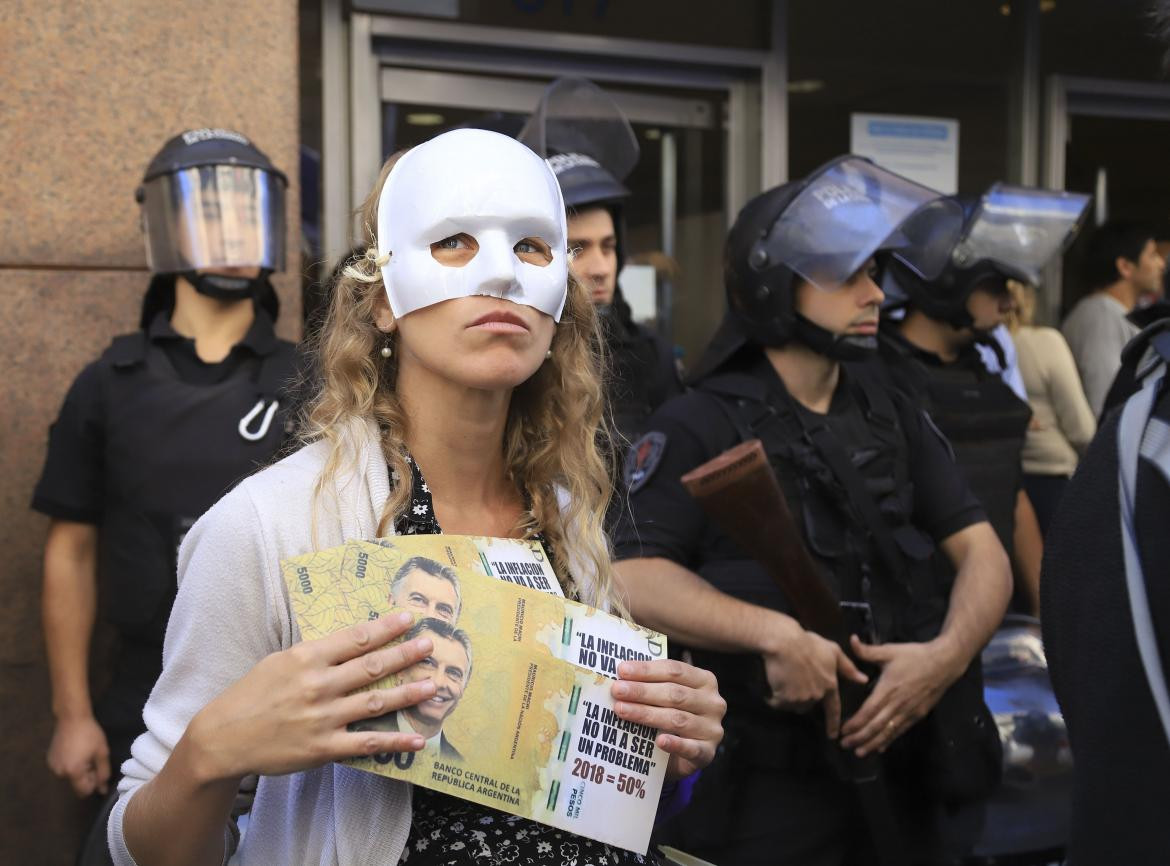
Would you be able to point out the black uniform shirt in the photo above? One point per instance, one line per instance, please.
(664, 521)
(70, 487)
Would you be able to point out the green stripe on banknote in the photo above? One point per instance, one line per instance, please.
(553, 793)
(567, 631)
(573, 698)
(564, 746)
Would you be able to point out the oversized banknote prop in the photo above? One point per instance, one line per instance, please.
(523, 675)
(492, 189)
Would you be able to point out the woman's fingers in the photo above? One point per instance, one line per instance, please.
(357, 640)
(666, 671)
(380, 702)
(378, 663)
(360, 744)
(674, 697)
(685, 712)
(698, 752)
(668, 695)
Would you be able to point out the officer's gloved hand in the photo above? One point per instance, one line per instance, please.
(79, 752)
(802, 670)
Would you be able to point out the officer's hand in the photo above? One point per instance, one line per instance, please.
(914, 676)
(681, 701)
(79, 752)
(803, 672)
(291, 711)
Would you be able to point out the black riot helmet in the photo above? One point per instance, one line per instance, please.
(822, 230)
(211, 199)
(1010, 233)
(588, 143)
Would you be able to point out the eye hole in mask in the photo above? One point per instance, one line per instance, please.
(457, 250)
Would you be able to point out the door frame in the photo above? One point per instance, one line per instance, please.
(355, 52)
(1066, 96)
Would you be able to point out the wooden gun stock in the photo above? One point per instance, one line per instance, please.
(739, 492)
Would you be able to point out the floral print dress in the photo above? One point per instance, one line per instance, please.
(447, 831)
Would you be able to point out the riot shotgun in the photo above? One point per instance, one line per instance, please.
(740, 493)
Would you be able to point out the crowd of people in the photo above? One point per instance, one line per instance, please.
(878, 341)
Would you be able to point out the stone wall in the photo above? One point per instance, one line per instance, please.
(89, 90)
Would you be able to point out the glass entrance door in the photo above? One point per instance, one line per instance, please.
(676, 217)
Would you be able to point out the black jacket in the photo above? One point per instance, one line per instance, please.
(1121, 754)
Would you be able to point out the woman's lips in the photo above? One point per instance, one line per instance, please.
(500, 323)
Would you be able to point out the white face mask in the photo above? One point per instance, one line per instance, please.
(490, 187)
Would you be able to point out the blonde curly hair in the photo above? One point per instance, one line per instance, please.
(555, 438)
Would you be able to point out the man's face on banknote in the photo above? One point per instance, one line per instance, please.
(448, 668)
(427, 595)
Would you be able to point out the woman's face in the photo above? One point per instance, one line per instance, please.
(478, 341)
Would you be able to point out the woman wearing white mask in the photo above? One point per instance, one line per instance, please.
(459, 350)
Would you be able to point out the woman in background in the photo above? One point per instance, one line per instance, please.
(1062, 422)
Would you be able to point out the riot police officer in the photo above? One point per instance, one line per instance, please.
(592, 148)
(790, 365)
(161, 425)
(932, 351)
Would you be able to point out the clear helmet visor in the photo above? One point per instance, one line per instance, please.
(853, 209)
(214, 216)
(575, 116)
(1021, 229)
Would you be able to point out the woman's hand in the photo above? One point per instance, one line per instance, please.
(291, 711)
(681, 701)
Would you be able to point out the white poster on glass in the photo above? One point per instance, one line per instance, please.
(924, 149)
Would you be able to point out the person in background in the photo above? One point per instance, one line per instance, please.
(157, 429)
(591, 147)
(154, 431)
(932, 356)
(1062, 423)
(1121, 263)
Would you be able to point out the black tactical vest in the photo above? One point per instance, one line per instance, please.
(982, 418)
(908, 605)
(171, 450)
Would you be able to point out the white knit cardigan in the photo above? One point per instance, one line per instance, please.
(231, 611)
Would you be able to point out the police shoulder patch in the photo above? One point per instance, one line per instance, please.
(642, 459)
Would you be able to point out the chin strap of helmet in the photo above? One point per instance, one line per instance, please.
(226, 288)
(839, 347)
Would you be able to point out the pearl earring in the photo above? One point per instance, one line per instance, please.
(548, 354)
(387, 351)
